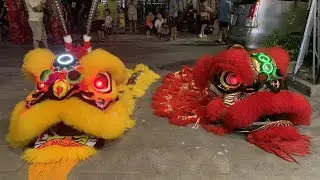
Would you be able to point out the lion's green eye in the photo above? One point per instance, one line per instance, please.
(261, 57)
(74, 77)
(45, 75)
(267, 67)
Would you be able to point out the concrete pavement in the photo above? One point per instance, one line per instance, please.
(154, 149)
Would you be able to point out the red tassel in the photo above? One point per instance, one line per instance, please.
(179, 99)
(282, 141)
(218, 130)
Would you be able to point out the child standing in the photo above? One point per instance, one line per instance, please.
(158, 24)
(149, 23)
(122, 21)
(165, 27)
(108, 23)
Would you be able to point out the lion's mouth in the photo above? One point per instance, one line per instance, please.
(65, 136)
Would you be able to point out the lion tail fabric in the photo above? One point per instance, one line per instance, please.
(283, 141)
(48, 171)
(138, 82)
(54, 163)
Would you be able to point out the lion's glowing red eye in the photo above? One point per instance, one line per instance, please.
(103, 83)
(99, 84)
(232, 79)
(41, 85)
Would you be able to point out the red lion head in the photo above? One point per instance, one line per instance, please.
(247, 87)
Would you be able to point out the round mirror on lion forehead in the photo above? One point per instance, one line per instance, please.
(65, 61)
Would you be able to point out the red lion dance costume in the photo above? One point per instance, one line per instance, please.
(239, 91)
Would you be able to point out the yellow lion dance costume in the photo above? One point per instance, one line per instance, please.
(80, 101)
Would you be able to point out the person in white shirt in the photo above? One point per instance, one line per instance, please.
(132, 14)
(158, 24)
(108, 23)
(35, 12)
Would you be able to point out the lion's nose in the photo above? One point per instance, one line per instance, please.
(61, 88)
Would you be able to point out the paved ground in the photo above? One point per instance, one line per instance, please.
(155, 150)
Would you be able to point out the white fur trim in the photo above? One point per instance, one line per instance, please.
(86, 38)
(67, 39)
(89, 49)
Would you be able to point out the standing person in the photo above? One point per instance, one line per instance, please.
(122, 21)
(149, 23)
(99, 21)
(215, 10)
(81, 17)
(112, 5)
(132, 14)
(158, 25)
(223, 21)
(205, 11)
(108, 23)
(35, 11)
(75, 6)
(173, 19)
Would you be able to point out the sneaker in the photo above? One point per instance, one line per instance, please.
(204, 35)
(221, 42)
(200, 36)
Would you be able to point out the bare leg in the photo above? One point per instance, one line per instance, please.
(221, 35)
(1, 32)
(45, 43)
(148, 33)
(135, 26)
(171, 34)
(203, 27)
(44, 37)
(224, 34)
(216, 28)
(175, 33)
(130, 26)
(102, 35)
(99, 37)
(35, 44)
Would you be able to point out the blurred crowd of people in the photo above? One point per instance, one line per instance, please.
(35, 18)
(111, 17)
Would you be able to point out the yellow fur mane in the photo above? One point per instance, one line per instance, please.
(26, 124)
(36, 61)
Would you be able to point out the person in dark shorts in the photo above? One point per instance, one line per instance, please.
(223, 21)
(98, 23)
(75, 6)
(205, 11)
(173, 19)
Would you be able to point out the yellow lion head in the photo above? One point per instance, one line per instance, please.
(75, 103)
